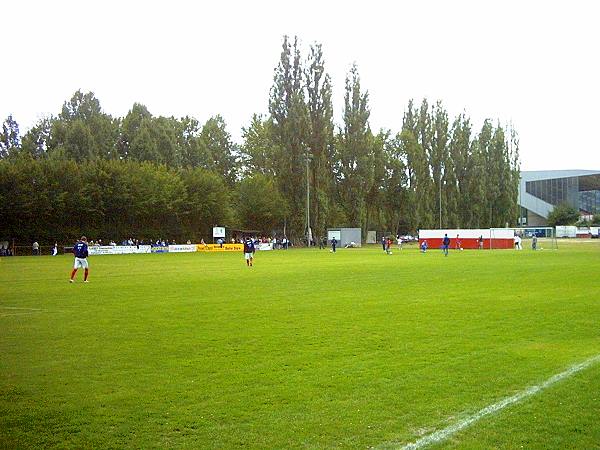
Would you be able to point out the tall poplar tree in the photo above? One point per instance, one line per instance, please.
(354, 152)
(320, 139)
(290, 126)
(10, 139)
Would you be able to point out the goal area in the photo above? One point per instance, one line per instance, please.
(545, 237)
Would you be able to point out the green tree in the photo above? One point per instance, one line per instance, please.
(83, 131)
(209, 202)
(476, 186)
(458, 195)
(320, 139)
(220, 148)
(441, 168)
(260, 205)
(395, 192)
(563, 214)
(10, 139)
(165, 134)
(259, 151)
(35, 141)
(193, 152)
(143, 145)
(375, 206)
(355, 157)
(131, 126)
(290, 124)
(417, 176)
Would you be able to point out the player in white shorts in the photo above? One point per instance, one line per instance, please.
(249, 251)
(80, 250)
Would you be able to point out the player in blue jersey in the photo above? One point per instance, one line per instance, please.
(445, 244)
(80, 250)
(249, 250)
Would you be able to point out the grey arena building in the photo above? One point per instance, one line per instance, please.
(540, 191)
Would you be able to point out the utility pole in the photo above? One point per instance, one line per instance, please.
(440, 201)
(307, 202)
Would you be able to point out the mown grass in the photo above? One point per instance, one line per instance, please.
(307, 349)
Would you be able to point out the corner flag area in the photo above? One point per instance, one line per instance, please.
(309, 349)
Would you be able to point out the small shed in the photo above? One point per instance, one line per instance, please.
(345, 236)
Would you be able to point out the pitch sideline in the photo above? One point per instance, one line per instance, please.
(445, 433)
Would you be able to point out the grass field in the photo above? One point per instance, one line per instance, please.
(307, 349)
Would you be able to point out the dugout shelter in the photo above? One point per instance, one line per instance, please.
(345, 236)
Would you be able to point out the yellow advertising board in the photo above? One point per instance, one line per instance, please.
(219, 248)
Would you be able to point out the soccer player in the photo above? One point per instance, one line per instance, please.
(458, 243)
(249, 250)
(424, 246)
(445, 244)
(80, 250)
(480, 242)
(333, 244)
(518, 242)
(388, 246)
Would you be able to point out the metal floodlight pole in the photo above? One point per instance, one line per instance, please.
(440, 201)
(307, 202)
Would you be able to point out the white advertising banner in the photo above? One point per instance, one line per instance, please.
(218, 232)
(185, 248)
(566, 231)
(465, 234)
(265, 246)
(117, 249)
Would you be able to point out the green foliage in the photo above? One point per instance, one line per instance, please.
(260, 153)
(208, 202)
(563, 214)
(434, 172)
(291, 128)
(220, 150)
(320, 141)
(9, 137)
(260, 206)
(57, 199)
(355, 156)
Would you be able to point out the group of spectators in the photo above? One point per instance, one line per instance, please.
(278, 243)
(5, 249)
(137, 242)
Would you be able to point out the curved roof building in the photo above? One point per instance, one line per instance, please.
(541, 191)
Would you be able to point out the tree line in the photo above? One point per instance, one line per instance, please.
(148, 176)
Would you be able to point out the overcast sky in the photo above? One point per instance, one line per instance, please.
(533, 63)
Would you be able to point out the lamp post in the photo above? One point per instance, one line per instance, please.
(440, 201)
(308, 233)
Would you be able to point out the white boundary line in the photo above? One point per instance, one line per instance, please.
(9, 311)
(16, 307)
(445, 433)
(27, 313)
